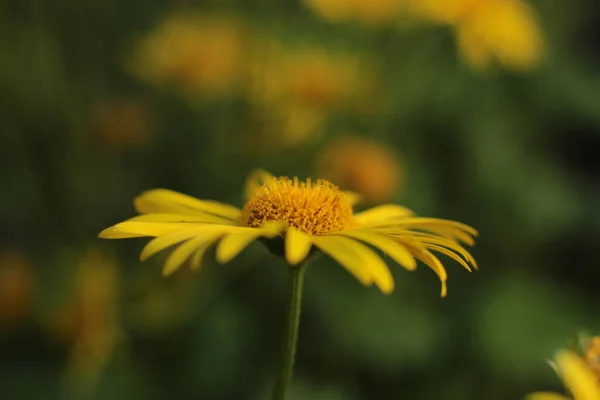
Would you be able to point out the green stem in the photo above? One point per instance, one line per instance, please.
(291, 333)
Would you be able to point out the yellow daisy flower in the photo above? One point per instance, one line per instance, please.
(577, 376)
(489, 30)
(292, 218)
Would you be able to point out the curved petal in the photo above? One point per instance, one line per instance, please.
(171, 202)
(183, 252)
(577, 375)
(450, 254)
(236, 241)
(396, 250)
(425, 223)
(366, 258)
(422, 254)
(297, 246)
(199, 218)
(336, 248)
(127, 229)
(255, 180)
(382, 213)
(205, 232)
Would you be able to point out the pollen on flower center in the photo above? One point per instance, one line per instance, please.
(315, 208)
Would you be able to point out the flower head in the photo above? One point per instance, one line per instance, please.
(488, 30)
(304, 215)
(197, 53)
(362, 165)
(578, 374)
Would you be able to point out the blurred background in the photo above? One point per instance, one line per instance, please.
(482, 111)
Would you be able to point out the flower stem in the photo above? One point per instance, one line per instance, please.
(291, 332)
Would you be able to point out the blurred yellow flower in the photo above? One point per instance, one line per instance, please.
(297, 88)
(487, 30)
(577, 376)
(367, 12)
(17, 288)
(89, 321)
(362, 165)
(120, 124)
(292, 217)
(200, 54)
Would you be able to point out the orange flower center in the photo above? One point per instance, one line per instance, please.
(315, 208)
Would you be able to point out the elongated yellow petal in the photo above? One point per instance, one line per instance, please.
(382, 213)
(200, 252)
(336, 248)
(419, 222)
(232, 244)
(450, 254)
(255, 180)
(422, 254)
(353, 197)
(297, 246)
(197, 218)
(577, 375)
(367, 259)
(171, 202)
(182, 253)
(546, 396)
(396, 250)
(452, 246)
(141, 229)
(206, 232)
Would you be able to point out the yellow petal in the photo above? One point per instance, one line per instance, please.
(546, 396)
(425, 223)
(199, 218)
(297, 246)
(397, 251)
(452, 246)
(255, 180)
(353, 197)
(182, 253)
(140, 229)
(200, 252)
(336, 248)
(450, 254)
(171, 202)
(577, 375)
(429, 259)
(367, 259)
(207, 232)
(232, 244)
(382, 213)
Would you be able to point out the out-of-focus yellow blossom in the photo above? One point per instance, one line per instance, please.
(294, 218)
(17, 288)
(578, 376)
(362, 165)
(366, 12)
(297, 88)
(488, 30)
(120, 124)
(592, 355)
(89, 321)
(199, 54)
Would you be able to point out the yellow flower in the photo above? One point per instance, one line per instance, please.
(362, 165)
(367, 12)
(89, 321)
(505, 30)
(293, 217)
(199, 54)
(577, 377)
